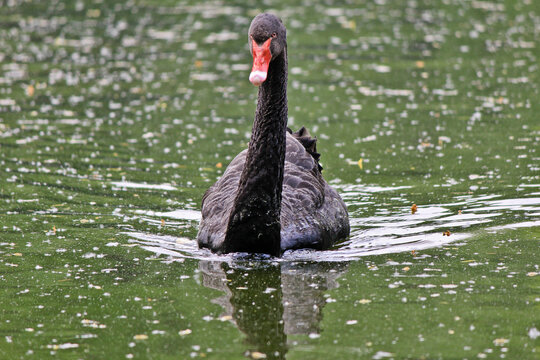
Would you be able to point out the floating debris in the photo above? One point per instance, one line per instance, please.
(184, 332)
(62, 346)
(500, 341)
(256, 355)
(30, 90)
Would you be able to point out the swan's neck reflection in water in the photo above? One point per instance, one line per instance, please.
(268, 302)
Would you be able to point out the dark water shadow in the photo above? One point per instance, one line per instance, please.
(269, 302)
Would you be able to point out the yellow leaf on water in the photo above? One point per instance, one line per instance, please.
(184, 332)
(360, 164)
(364, 301)
(532, 273)
(30, 90)
(93, 13)
(500, 341)
(420, 64)
(140, 337)
(258, 355)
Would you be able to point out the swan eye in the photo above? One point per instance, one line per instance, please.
(274, 35)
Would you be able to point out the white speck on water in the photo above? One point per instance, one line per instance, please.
(148, 135)
(7, 102)
(382, 355)
(62, 346)
(221, 37)
(449, 286)
(205, 76)
(379, 68)
(533, 333)
(108, 271)
(161, 34)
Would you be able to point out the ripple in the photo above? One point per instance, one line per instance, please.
(133, 185)
(524, 224)
(385, 233)
(180, 214)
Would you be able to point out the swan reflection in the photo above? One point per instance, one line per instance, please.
(271, 301)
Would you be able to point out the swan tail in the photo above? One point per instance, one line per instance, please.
(309, 143)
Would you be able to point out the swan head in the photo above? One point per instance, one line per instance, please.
(267, 38)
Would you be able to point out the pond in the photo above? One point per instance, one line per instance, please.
(116, 116)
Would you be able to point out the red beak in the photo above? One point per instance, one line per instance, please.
(261, 61)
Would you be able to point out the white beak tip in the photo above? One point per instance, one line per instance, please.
(257, 77)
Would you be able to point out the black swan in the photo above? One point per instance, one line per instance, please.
(272, 197)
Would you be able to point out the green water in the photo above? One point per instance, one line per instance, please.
(115, 117)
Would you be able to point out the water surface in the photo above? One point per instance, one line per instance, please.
(115, 117)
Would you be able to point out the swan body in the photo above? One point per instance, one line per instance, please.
(272, 196)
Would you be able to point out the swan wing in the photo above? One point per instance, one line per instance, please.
(313, 215)
(217, 203)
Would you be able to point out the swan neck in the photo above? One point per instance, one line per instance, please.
(254, 223)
